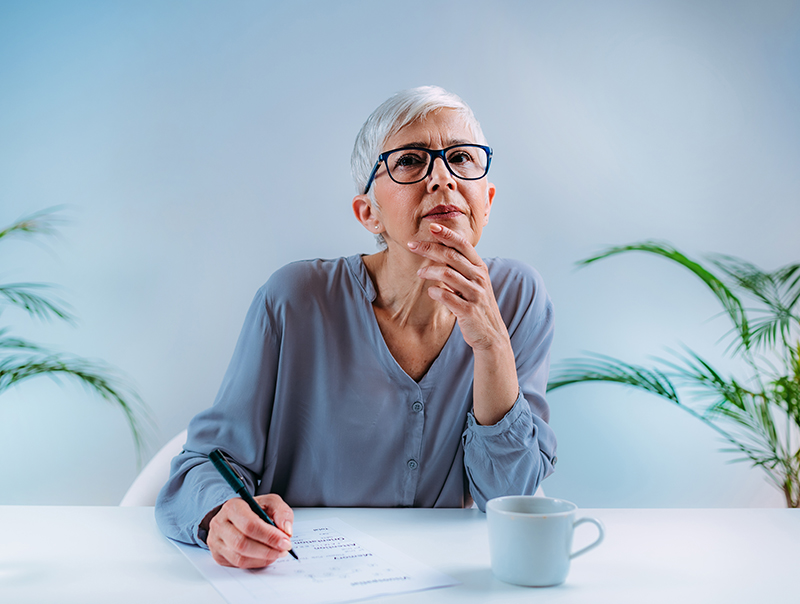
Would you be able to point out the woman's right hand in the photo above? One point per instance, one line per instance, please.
(238, 537)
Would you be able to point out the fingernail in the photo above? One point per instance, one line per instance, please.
(287, 528)
(436, 228)
(412, 245)
(285, 544)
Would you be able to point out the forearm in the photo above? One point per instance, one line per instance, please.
(495, 386)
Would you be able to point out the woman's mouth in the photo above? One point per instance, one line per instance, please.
(443, 213)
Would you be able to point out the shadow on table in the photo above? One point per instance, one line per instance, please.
(479, 580)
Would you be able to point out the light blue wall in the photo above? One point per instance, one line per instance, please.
(201, 145)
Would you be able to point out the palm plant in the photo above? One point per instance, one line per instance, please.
(21, 360)
(759, 415)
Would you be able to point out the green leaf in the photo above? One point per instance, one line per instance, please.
(44, 222)
(601, 368)
(96, 376)
(695, 372)
(24, 296)
(776, 291)
(6, 342)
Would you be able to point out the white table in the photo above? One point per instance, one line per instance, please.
(117, 555)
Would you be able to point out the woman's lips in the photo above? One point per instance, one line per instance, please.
(443, 213)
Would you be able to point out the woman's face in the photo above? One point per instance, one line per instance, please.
(405, 212)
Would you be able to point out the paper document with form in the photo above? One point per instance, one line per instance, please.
(337, 563)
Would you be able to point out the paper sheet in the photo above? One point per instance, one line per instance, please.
(338, 563)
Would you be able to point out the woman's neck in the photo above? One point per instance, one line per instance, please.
(402, 296)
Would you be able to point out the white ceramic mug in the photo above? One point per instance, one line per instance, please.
(530, 539)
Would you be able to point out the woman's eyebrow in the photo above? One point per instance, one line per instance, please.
(450, 143)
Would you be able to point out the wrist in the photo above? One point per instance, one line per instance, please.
(205, 524)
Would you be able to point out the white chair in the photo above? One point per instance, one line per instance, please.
(148, 483)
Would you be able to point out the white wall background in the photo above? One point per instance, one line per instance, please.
(201, 145)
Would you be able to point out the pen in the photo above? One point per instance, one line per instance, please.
(237, 484)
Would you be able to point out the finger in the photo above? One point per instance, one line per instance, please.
(442, 255)
(455, 303)
(450, 267)
(277, 509)
(250, 556)
(452, 278)
(238, 537)
(253, 527)
(242, 555)
(452, 239)
(230, 546)
(450, 249)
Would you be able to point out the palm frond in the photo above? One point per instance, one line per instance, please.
(24, 295)
(748, 412)
(760, 417)
(44, 222)
(698, 374)
(94, 375)
(601, 368)
(21, 360)
(16, 343)
(756, 429)
(767, 463)
(774, 290)
(748, 277)
(789, 278)
(730, 302)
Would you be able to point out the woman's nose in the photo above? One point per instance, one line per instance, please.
(440, 175)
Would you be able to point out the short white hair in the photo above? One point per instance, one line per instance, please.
(398, 111)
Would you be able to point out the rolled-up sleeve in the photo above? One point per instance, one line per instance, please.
(511, 457)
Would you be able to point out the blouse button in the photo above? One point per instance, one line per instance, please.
(412, 464)
(417, 407)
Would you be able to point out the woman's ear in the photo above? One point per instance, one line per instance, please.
(489, 201)
(366, 215)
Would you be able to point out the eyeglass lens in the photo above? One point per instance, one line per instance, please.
(411, 165)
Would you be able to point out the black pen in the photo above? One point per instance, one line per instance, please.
(237, 484)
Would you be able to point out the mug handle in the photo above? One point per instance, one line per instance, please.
(597, 541)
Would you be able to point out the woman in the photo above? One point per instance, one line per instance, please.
(414, 376)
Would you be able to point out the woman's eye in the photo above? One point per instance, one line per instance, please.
(408, 160)
(459, 157)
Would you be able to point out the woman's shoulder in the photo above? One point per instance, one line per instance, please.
(306, 278)
(305, 270)
(520, 292)
(508, 272)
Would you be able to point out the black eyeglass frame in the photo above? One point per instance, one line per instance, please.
(433, 153)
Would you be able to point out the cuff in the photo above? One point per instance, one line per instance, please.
(520, 406)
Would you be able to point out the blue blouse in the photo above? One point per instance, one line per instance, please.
(314, 407)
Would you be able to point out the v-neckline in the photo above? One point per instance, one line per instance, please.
(382, 348)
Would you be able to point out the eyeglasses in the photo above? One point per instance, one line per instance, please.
(414, 164)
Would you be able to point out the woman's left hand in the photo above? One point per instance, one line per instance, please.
(464, 287)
